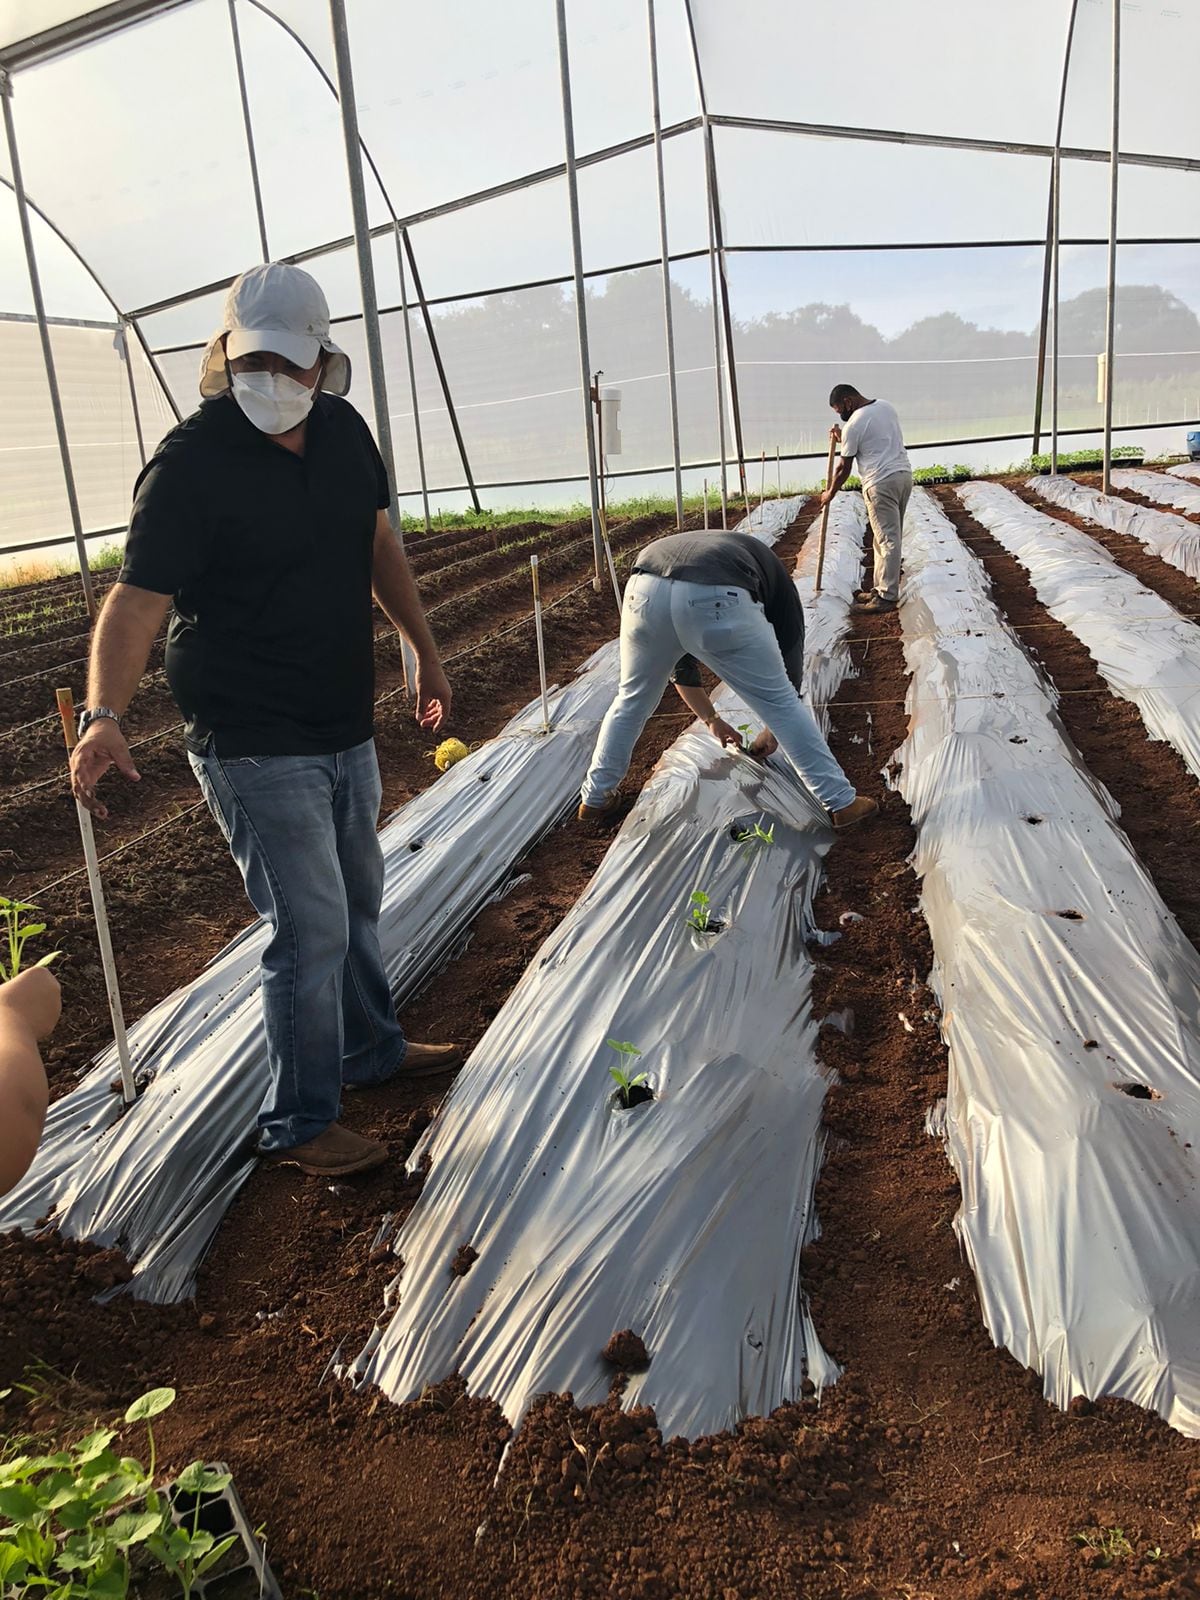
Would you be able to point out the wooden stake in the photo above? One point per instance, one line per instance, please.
(541, 646)
(825, 516)
(66, 711)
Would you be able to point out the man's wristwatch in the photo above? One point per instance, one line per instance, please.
(94, 714)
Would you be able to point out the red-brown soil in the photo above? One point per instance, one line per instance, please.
(933, 1468)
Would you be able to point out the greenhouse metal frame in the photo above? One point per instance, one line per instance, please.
(696, 44)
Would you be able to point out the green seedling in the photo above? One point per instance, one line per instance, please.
(14, 931)
(624, 1081)
(189, 1552)
(755, 837)
(747, 733)
(698, 917)
(1110, 1542)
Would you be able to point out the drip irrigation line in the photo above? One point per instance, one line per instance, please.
(42, 672)
(8, 733)
(120, 849)
(70, 639)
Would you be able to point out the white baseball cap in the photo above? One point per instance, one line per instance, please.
(280, 308)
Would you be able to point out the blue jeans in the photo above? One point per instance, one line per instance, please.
(665, 618)
(302, 831)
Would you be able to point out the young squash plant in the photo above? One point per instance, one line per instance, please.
(79, 1519)
(15, 930)
(627, 1083)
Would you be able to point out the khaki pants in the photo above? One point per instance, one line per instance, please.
(887, 501)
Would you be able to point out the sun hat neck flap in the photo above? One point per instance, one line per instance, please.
(280, 308)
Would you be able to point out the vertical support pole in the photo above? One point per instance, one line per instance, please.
(664, 250)
(127, 358)
(443, 381)
(366, 277)
(706, 505)
(39, 308)
(66, 711)
(1055, 238)
(412, 379)
(720, 304)
(1043, 328)
(762, 482)
(585, 360)
(778, 474)
(1110, 327)
(541, 645)
(250, 152)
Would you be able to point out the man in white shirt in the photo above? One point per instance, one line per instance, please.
(871, 435)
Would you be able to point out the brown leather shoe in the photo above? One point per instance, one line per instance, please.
(336, 1153)
(861, 809)
(602, 809)
(420, 1061)
(876, 603)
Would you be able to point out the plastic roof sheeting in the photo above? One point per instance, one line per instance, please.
(1080, 1214)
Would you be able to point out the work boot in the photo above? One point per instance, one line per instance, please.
(876, 603)
(861, 809)
(336, 1153)
(420, 1061)
(863, 594)
(602, 808)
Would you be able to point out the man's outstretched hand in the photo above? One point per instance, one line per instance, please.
(102, 746)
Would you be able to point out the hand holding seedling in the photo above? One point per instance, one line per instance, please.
(723, 732)
(102, 746)
(434, 695)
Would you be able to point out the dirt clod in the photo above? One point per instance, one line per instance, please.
(626, 1350)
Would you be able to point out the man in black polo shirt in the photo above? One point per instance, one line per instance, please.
(724, 599)
(264, 518)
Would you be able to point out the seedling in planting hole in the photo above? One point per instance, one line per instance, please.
(14, 932)
(626, 1083)
(698, 917)
(753, 837)
(747, 733)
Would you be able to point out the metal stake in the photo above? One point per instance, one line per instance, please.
(1111, 311)
(585, 360)
(39, 308)
(541, 646)
(366, 279)
(668, 319)
(66, 711)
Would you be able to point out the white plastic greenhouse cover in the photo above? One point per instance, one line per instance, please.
(937, 306)
(1146, 652)
(575, 1207)
(1064, 983)
(1171, 537)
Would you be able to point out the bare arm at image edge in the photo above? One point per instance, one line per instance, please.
(396, 591)
(128, 623)
(30, 1005)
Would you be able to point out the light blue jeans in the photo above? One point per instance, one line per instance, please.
(663, 619)
(302, 831)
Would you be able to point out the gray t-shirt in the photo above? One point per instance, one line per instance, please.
(742, 562)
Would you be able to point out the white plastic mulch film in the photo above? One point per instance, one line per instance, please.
(157, 1180)
(1161, 488)
(1071, 1008)
(938, 307)
(1145, 650)
(1167, 535)
(682, 1218)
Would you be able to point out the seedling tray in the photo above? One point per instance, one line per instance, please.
(1094, 464)
(244, 1573)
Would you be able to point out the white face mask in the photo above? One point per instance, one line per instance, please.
(274, 403)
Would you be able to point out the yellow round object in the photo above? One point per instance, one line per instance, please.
(448, 752)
